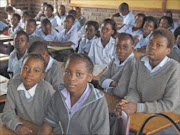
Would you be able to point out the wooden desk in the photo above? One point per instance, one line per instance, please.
(136, 120)
(4, 57)
(33, 127)
(4, 38)
(54, 49)
(3, 80)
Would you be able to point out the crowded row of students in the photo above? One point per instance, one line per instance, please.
(149, 84)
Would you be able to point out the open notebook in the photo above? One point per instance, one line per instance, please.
(3, 85)
(98, 69)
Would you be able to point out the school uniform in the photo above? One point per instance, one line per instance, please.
(128, 19)
(143, 41)
(77, 25)
(175, 53)
(53, 73)
(129, 29)
(2, 25)
(53, 21)
(155, 90)
(89, 115)
(175, 25)
(81, 32)
(120, 73)
(14, 64)
(102, 55)
(70, 36)
(82, 20)
(85, 45)
(12, 32)
(50, 37)
(60, 19)
(33, 38)
(17, 11)
(22, 24)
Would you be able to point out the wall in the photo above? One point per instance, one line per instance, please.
(98, 14)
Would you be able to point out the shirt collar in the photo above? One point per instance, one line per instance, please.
(50, 63)
(117, 62)
(110, 43)
(87, 40)
(28, 93)
(160, 65)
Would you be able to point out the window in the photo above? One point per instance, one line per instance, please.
(3, 3)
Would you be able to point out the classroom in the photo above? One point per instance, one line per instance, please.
(105, 67)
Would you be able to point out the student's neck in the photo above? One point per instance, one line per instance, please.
(145, 35)
(20, 55)
(154, 63)
(104, 41)
(75, 97)
(67, 30)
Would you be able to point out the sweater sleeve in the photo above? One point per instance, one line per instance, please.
(9, 115)
(100, 118)
(171, 97)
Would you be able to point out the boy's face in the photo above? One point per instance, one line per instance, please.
(76, 76)
(30, 28)
(21, 43)
(68, 23)
(14, 21)
(32, 72)
(90, 31)
(124, 47)
(78, 12)
(106, 31)
(164, 23)
(157, 48)
(61, 11)
(178, 40)
(47, 29)
(148, 27)
(138, 22)
(24, 17)
(48, 12)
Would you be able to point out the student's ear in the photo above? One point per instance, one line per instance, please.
(90, 77)
(168, 50)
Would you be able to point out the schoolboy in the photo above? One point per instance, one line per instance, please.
(77, 107)
(115, 79)
(79, 16)
(126, 15)
(77, 24)
(175, 53)
(53, 71)
(25, 16)
(32, 31)
(17, 55)
(154, 85)
(49, 14)
(60, 17)
(28, 96)
(15, 22)
(11, 10)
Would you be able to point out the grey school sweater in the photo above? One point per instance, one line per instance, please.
(159, 91)
(33, 111)
(122, 75)
(175, 55)
(91, 118)
(54, 75)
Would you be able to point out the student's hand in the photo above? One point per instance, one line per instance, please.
(129, 107)
(119, 106)
(136, 39)
(23, 130)
(113, 84)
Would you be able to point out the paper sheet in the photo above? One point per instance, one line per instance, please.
(98, 69)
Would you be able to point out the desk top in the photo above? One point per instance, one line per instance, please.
(4, 57)
(55, 48)
(4, 38)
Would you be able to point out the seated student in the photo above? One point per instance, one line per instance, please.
(49, 14)
(25, 16)
(175, 53)
(169, 13)
(15, 22)
(91, 29)
(154, 84)
(3, 25)
(77, 24)
(115, 79)
(27, 96)
(167, 23)
(41, 12)
(53, 71)
(102, 49)
(11, 10)
(136, 30)
(32, 31)
(126, 15)
(47, 33)
(77, 107)
(79, 17)
(17, 55)
(60, 16)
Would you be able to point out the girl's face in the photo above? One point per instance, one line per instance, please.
(138, 22)
(14, 21)
(90, 31)
(148, 27)
(76, 76)
(106, 31)
(21, 43)
(47, 29)
(164, 23)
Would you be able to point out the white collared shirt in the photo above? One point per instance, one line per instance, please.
(50, 37)
(60, 20)
(28, 93)
(128, 19)
(50, 63)
(145, 59)
(12, 31)
(53, 21)
(102, 55)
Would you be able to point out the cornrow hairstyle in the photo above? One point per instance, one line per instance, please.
(84, 57)
(167, 34)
